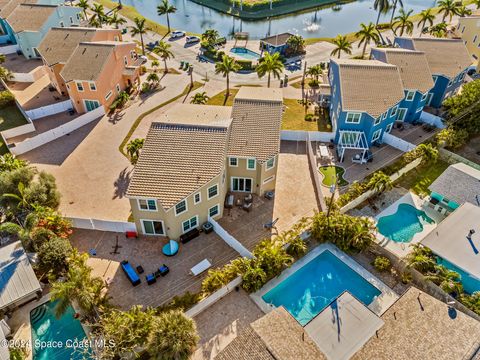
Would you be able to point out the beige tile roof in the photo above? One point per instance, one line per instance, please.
(277, 40)
(369, 86)
(190, 114)
(89, 59)
(413, 67)
(59, 43)
(419, 327)
(30, 17)
(445, 56)
(275, 336)
(7, 7)
(257, 116)
(176, 160)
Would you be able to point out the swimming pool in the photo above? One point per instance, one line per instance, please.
(470, 283)
(306, 292)
(245, 53)
(66, 332)
(403, 224)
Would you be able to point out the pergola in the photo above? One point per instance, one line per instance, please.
(351, 139)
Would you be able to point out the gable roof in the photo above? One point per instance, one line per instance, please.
(277, 40)
(446, 57)
(369, 86)
(418, 326)
(30, 17)
(413, 67)
(7, 7)
(459, 182)
(17, 279)
(176, 160)
(275, 336)
(257, 115)
(89, 59)
(60, 42)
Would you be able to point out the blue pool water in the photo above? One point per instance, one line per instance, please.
(404, 224)
(310, 289)
(245, 53)
(470, 283)
(66, 331)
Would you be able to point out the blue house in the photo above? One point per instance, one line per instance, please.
(31, 22)
(448, 60)
(416, 79)
(275, 44)
(366, 97)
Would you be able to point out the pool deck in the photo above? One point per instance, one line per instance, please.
(402, 249)
(379, 305)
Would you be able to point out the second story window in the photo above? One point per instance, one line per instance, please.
(353, 118)
(197, 198)
(251, 164)
(410, 95)
(108, 95)
(148, 205)
(393, 112)
(92, 86)
(270, 163)
(62, 24)
(71, 20)
(378, 120)
(181, 207)
(79, 86)
(233, 161)
(125, 60)
(212, 191)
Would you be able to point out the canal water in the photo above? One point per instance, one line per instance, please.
(313, 23)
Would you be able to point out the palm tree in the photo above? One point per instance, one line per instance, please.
(200, 98)
(173, 336)
(403, 22)
(464, 11)
(83, 4)
(116, 20)
(140, 28)
(394, 8)
(210, 36)
(367, 34)
(380, 182)
(448, 280)
(295, 44)
(421, 258)
(163, 50)
(426, 16)
(382, 6)
(225, 67)
(315, 71)
(448, 8)
(270, 64)
(164, 9)
(342, 44)
(155, 65)
(439, 30)
(153, 78)
(9, 162)
(477, 3)
(98, 13)
(134, 147)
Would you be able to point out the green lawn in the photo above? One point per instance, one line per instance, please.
(10, 117)
(419, 179)
(332, 174)
(219, 99)
(294, 118)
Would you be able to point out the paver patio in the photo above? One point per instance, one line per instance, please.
(147, 252)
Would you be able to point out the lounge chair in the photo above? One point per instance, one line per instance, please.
(200, 267)
(130, 272)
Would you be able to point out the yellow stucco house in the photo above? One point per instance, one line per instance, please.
(469, 30)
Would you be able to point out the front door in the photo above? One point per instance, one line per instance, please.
(241, 184)
(91, 105)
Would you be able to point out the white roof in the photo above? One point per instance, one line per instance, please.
(17, 279)
(343, 327)
(4, 353)
(449, 239)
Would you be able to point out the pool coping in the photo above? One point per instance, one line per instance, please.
(379, 305)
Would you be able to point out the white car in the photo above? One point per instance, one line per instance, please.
(177, 34)
(143, 58)
(192, 39)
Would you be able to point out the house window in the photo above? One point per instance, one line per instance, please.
(376, 135)
(197, 198)
(251, 164)
(78, 16)
(92, 86)
(270, 164)
(108, 95)
(151, 227)
(149, 205)
(71, 20)
(410, 95)
(270, 178)
(233, 162)
(223, 178)
(190, 224)
(475, 38)
(118, 88)
(79, 86)
(125, 60)
(212, 191)
(62, 24)
(214, 211)
(353, 118)
(181, 207)
(434, 77)
(377, 121)
(424, 96)
(241, 184)
(389, 128)
(450, 83)
(384, 116)
(393, 112)
(419, 109)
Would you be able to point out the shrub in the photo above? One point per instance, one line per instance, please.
(313, 83)
(407, 277)
(471, 301)
(309, 117)
(382, 263)
(53, 254)
(182, 302)
(6, 99)
(245, 64)
(452, 138)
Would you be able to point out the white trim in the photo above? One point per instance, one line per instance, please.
(147, 200)
(254, 163)
(377, 121)
(214, 216)
(230, 158)
(175, 207)
(200, 196)
(238, 178)
(271, 167)
(81, 84)
(424, 96)
(190, 227)
(143, 227)
(208, 191)
(108, 95)
(392, 112)
(267, 180)
(410, 92)
(374, 135)
(389, 128)
(90, 83)
(404, 114)
(354, 114)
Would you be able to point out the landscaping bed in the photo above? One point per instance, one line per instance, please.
(294, 117)
(333, 174)
(419, 179)
(10, 117)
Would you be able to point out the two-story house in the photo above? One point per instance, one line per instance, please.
(416, 79)
(59, 44)
(469, 30)
(6, 8)
(97, 72)
(448, 60)
(31, 22)
(195, 154)
(366, 96)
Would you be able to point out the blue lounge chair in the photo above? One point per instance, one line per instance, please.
(130, 272)
(163, 270)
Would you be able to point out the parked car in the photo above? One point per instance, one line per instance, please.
(143, 59)
(192, 39)
(177, 34)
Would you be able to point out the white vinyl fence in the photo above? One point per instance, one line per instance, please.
(432, 120)
(10, 49)
(19, 130)
(48, 136)
(32, 76)
(50, 109)
(398, 143)
(102, 225)
(312, 161)
(298, 135)
(229, 239)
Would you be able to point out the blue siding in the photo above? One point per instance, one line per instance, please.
(9, 36)
(444, 89)
(412, 106)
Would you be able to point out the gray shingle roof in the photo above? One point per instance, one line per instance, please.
(30, 17)
(7, 7)
(276, 40)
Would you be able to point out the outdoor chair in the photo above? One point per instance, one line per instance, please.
(151, 279)
(130, 272)
(248, 198)
(163, 270)
(247, 206)
(271, 224)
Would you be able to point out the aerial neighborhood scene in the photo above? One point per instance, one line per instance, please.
(240, 179)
